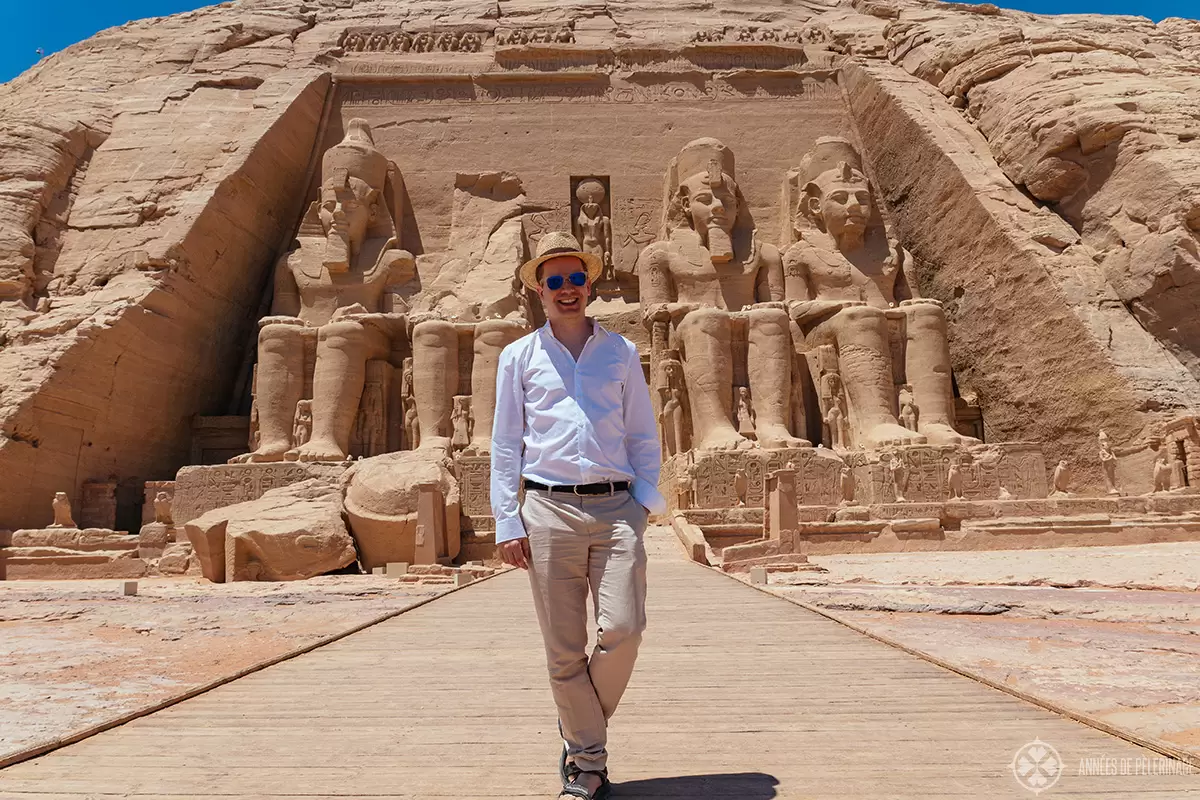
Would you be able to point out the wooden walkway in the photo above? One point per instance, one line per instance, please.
(738, 695)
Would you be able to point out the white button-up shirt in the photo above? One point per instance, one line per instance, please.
(561, 421)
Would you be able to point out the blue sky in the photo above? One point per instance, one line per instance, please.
(30, 25)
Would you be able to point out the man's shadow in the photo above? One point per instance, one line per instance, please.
(733, 786)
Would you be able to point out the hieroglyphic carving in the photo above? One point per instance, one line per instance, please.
(601, 90)
(537, 224)
(635, 223)
(717, 484)
(1018, 468)
(474, 480)
(201, 489)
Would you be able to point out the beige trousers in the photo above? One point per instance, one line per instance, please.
(580, 544)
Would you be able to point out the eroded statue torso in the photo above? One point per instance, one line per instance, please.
(814, 269)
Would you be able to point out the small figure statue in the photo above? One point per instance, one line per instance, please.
(370, 421)
(1108, 463)
(909, 414)
(1061, 479)
(683, 492)
(955, 481)
(302, 426)
(835, 419)
(162, 508)
(593, 228)
(740, 486)
(895, 467)
(255, 433)
(745, 413)
(62, 511)
(671, 416)
(846, 480)
(1162, 472)
(460, 417)
(412, 425)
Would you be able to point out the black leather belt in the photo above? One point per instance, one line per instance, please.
(581, 488)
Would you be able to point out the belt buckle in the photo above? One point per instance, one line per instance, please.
(575, 490)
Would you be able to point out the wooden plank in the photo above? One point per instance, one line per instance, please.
(737, 695)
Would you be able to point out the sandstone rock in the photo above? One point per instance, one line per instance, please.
(385, 511)
(290, 533)
(178, 559)
(475, 276)
(154, 538)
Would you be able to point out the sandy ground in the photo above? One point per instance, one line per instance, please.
(1130, 657)
(1173, 566)
(76, 653)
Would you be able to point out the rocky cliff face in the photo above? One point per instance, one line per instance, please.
(151, 175)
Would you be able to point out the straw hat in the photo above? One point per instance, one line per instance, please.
(553, 245)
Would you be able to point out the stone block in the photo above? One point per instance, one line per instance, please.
(154, 538)
(384, 508)
(290, 533)
(758, 576)
(130, 588)
(199, 490)
(463, 578)
(176, 559)
(395, 569)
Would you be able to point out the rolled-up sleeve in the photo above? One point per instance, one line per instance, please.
(508, 429)
(641, 438)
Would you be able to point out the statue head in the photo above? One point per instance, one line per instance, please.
(590, 194)
(830, 192)
(703, 195)
(354, 177)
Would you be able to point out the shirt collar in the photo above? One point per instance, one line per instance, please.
(598, 330)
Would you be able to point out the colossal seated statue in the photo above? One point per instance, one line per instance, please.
(330, 291)
(846, 286)
(712, 285)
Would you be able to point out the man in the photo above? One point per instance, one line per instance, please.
(575, 425)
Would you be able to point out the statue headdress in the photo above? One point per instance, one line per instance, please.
(710, 156)
(829, 153)
(356, 156)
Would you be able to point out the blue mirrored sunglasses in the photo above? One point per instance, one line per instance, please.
(555, 282)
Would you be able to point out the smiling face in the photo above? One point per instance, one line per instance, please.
(568, 303)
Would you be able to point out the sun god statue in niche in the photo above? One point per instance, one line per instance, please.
(332, 290)
(845, 284)
(705, 279)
